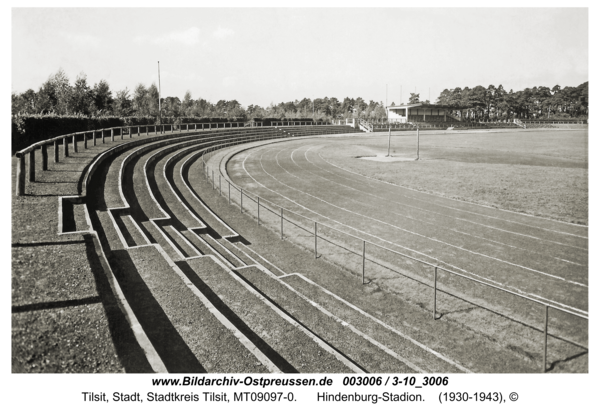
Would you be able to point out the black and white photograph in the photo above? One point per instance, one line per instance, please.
(388, 203)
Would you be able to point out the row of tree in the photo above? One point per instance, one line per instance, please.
(58, 96)
(538, 102)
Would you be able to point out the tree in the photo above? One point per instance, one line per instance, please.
(151, 99)
(414, 98)
(140, 105)
(54, 94)
(102, 97)
(187, 104)
(445, 97)
(122, 104)
(23, 103)
(81, 98)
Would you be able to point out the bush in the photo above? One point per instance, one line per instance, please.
(29, 129)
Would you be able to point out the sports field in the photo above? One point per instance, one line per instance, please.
(497, 207)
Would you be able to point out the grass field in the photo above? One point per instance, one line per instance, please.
(544, 173)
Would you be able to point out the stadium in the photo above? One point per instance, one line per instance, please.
(223, 248)
(420, 237)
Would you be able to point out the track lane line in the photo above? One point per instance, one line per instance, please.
(403, 247)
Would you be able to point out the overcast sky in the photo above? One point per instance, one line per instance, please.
(259, 56)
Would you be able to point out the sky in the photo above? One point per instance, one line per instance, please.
(271, 55)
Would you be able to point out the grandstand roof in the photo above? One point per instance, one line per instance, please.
(428, 106)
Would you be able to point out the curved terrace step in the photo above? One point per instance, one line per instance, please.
(119, 257)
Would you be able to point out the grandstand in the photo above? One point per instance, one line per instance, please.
(433, 116)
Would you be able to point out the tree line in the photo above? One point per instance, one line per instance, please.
(58, 96)
(495, 103)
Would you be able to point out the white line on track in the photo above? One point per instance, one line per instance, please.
(403, 247)
(460, 210)
(425, 210)
(470, 203)
(409, 231)
(400, 246)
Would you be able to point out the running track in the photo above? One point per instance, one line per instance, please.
(541, 258)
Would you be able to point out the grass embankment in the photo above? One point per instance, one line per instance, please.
(63, 315)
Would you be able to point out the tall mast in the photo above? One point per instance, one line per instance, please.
(159, 111)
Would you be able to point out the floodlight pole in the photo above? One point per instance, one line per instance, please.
(389, 140)
(159, 111)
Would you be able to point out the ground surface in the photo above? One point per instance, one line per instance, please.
(64, 315)
(544, 259)
(65, 318)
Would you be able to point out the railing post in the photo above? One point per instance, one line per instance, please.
(241, 199)
(74, 143)
(281, 223)
(213, 179)
(102, 135)
(112, 135)
(435, 292)
(258, 210)
(44, 157)
(56, 151)
(138, 131)
(130, 130)
(65, 147)
(545, 338)
(220, 185)
(147, 128)
(363, 261)
(315, 240)
(21, 176)
(85, 145)
(32, 166)
(228, 193)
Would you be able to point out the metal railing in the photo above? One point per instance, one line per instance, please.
(94, 135)
(436, 269)
(365, 126)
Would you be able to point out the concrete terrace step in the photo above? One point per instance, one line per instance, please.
(185, 333)
(368, 354)
(300, 350)
(130, 230)
(145, 174)
(159, 236)
(413, 333)
(188, 178)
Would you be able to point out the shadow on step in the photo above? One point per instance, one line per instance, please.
(130, 354)
(267, 350)
(170, 346)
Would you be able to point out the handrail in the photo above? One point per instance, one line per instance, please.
(368, 126)
(66, 140)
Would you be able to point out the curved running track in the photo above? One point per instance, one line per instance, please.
(542, 258)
